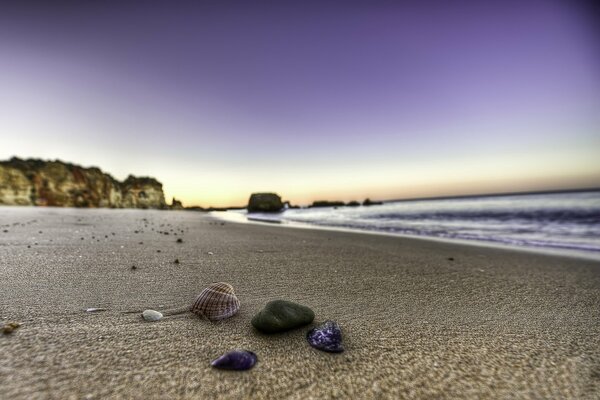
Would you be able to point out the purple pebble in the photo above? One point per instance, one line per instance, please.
(237, 360)
(326, 337)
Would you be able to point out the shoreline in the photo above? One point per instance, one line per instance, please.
(420, 318)
(234, 217)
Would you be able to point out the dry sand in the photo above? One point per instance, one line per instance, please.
(493, 323)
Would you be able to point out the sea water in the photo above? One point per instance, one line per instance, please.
(564, 220)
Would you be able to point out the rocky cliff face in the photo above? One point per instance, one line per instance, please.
(54, 183)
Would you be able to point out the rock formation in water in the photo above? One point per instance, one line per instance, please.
(369, 202)
(326, 203)
(176, 205)
(265, 202)
(34, 182)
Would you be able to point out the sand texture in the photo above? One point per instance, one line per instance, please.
(492, 323)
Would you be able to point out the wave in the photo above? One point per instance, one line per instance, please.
(569, 221)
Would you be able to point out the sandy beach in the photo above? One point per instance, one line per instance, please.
(421, 319)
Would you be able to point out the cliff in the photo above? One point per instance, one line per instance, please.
(35, 182)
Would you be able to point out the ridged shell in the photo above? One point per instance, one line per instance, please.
(218, 301)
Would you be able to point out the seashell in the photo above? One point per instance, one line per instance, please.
(95, 309)
(326, 337)
(218, 301)
(152, 316)
(237, 360)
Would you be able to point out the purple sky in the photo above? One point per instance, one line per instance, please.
(310, 99)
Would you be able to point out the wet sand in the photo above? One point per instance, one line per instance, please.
(491, 323)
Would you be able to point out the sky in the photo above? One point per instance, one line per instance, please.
(337, 100)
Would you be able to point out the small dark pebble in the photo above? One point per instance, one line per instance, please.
(141, 242)
(180, 240)
(450, 258)
(158, 251)
(28, 246)
(9, 328)
(133, 267)
(176, 261)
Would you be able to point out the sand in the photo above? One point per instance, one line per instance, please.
(492, 323)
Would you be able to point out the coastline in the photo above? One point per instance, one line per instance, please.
(235, 217)
(491, 322)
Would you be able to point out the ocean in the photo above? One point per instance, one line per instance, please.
(563, 221)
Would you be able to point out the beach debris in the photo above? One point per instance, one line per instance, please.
(151, 315)
(217, 301)
(95, 309)
(237, 360)
(10, 327)
(326, 337)
(282, 315)
(210, 253)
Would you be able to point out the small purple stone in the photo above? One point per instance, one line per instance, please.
(326, 337)
(237, 360)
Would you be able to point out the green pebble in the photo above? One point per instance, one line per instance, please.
(281, 316)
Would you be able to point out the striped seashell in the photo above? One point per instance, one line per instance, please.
(217, 301)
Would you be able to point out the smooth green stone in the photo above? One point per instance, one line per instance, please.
(281, 315)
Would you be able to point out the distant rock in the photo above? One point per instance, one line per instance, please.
(326, 203)
(288, 205)
(369, 202)
(195, 208)
(353, 203)
(176, 205)
(265, 202)
(34, 182)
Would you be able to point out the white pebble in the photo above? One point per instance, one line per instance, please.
(151, 315)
